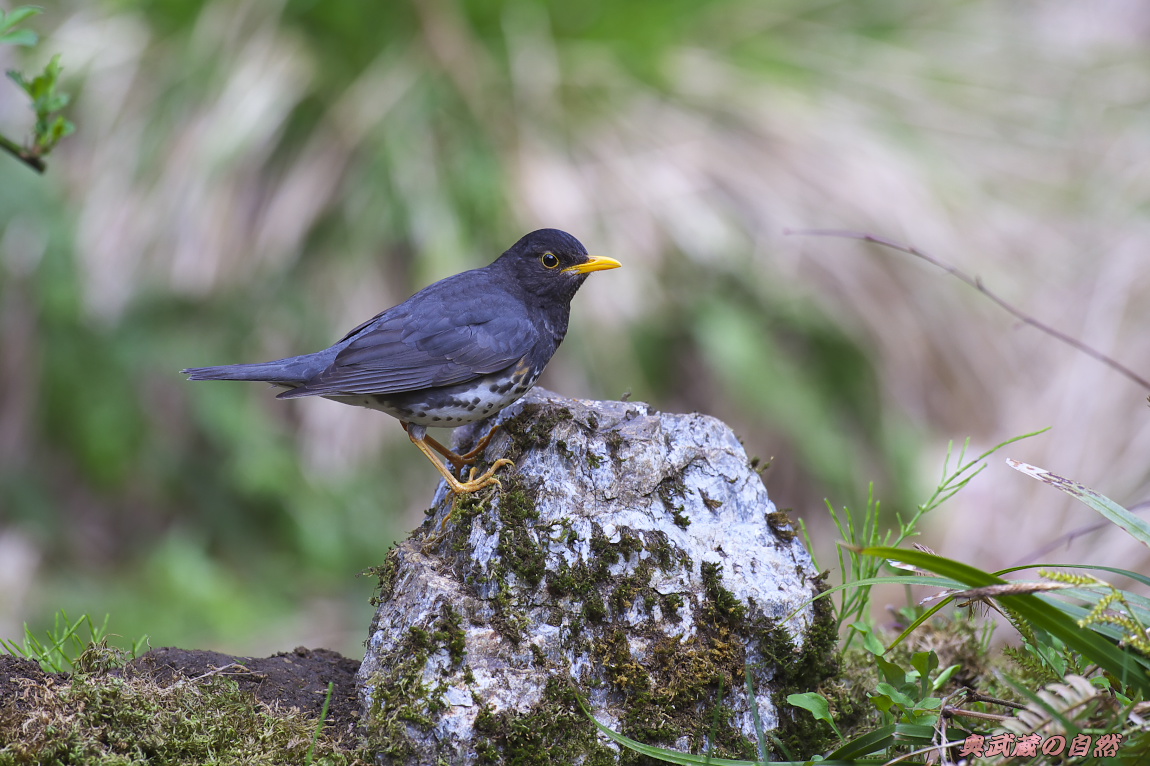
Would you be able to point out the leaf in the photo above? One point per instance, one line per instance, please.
(898, 697)
(881, 739)
(871, 642)
(18, 78)
(1136, 526)
(924, 662)
(8, 21)
(944, 676)
(20, 37)
(817, 705)
(16, 15)
(891, 672)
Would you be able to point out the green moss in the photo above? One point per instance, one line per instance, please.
(673, 693)
(609, 553)
(671, 604)
(448, 634)
(454, 639)
(722, 606)
(554, 732)
(814, 668)
(400, 697)
(518, 551)
(586, 583)
(594, 460)
(780, 524)
(532, 427)
(517, 548)
(669, 489)
(387, 572)
(615, 442)
(580, 583)
(711, 504)
(102, 720)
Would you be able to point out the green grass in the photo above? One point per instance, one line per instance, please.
(63, 645)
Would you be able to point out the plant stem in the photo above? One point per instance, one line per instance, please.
(21, 154)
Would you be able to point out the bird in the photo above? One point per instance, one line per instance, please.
(456, 352)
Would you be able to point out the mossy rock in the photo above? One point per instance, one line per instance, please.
(632, 560)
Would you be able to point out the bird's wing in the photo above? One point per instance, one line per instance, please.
(439, 337)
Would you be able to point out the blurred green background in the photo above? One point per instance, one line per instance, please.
(249, 180)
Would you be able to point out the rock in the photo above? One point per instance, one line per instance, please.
(631, 558)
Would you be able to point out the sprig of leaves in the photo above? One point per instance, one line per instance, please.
(47, 101)
(8, 21)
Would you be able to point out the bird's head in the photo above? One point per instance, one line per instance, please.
(552, 264)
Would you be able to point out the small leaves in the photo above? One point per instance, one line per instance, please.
(8, 21)
(50, 127)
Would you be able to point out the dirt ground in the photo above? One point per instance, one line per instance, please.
(296, 679)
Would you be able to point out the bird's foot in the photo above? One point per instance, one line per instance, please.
(475, 483)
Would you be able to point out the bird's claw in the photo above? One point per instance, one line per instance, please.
(474, 484)
(485, 480)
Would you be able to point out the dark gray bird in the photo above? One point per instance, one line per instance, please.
(453, 353)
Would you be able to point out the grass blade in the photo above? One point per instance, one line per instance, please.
(1136, 526)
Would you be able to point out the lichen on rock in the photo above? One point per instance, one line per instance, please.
(631, 557)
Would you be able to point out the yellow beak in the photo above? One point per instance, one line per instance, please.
(594, 263)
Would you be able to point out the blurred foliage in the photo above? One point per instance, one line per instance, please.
(184, 510)
(251, 180)
(50, 127)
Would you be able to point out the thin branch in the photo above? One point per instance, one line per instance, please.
(977, 284)
(1073, 535)
(973, 696)
(975, 714)
(931, 749)
(17, 151)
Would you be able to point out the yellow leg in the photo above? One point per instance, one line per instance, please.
(470, 457)
(473, 483)
(457, 460)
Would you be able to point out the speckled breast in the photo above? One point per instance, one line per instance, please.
(451, 406)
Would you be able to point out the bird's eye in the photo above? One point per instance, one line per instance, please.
(549, 260)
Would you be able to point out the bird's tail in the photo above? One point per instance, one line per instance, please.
(282, 371)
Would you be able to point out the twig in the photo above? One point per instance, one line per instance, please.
(17, 151)
(973, 696)
(974, 714)
(977, 284)
(931, 749)
(231, 667)
(1073, 535)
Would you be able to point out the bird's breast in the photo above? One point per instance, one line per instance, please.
(456, 405)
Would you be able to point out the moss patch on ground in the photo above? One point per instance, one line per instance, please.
(123, 717)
